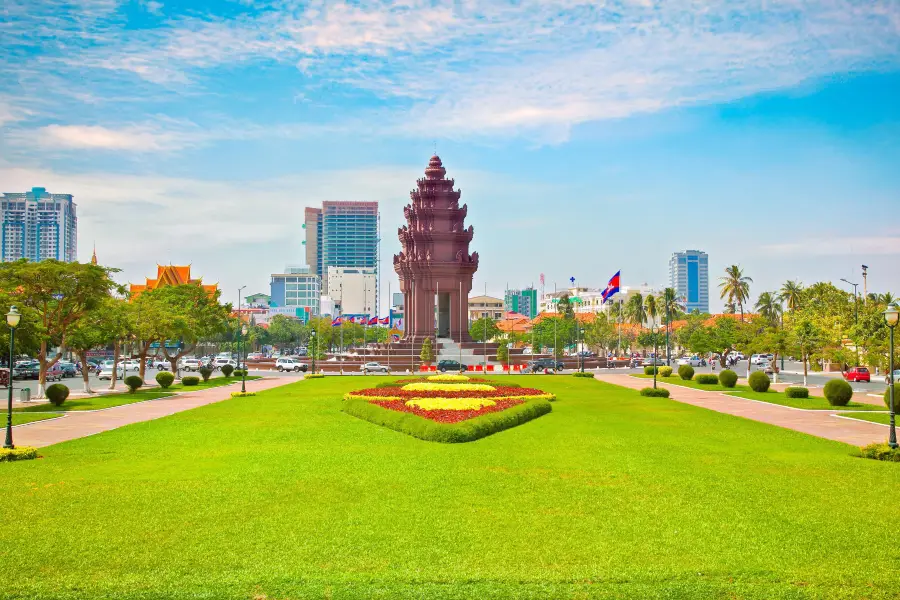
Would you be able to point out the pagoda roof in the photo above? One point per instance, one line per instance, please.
(171, 275)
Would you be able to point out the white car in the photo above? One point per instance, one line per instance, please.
(758, 359)
(289, 364)
(694, 361)
(190, 364)
(106, 371)
(222, 361)
(132, 364)
(374, 367)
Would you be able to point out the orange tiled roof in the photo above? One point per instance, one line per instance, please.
(171, 275)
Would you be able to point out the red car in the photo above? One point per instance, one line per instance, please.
(858, 374)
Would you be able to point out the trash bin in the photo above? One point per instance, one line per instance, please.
(25, 395)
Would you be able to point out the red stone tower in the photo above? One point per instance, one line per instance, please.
(435, 266)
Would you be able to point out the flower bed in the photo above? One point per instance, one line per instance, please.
(498, 392)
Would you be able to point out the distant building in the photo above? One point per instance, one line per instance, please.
(689, 277)
(171, 275)
(341, 234)
(258, 300)
(296, 288)
(523, 302)
(353, 290)
(38, 225)
(485, 306)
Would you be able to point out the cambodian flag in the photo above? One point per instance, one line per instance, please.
(385, 321)
(612, 287)
(373, 321)
(336, 322)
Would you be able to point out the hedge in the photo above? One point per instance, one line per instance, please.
(450, 433)
(838, 392)
(580, 374)
(887, 397)
(759, 381)
(242, 394)
(133, 382)
(649, 370)
(686, 372)
(190, 381)
(57, 394)
(20, 453)
(240, 373)
(655, 392)
(728, 378)
(205, 373)
(314, 376)
(879, 452)
(796, 392)
(706, 379)
(165, 379)
(665, 371)
(227, 370)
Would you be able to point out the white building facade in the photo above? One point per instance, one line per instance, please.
(38, 225)
(353, 289)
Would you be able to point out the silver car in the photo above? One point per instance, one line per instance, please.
(374, 367)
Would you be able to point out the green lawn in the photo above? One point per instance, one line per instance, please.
(611, 495)
(20, 419)
(773, 397)
(882, 417)
(118, 399)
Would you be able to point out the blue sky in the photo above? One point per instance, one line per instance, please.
(587, 137)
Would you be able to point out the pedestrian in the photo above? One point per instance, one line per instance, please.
(712, 361)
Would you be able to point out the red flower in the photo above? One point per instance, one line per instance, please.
(497, 392)
(446, 416)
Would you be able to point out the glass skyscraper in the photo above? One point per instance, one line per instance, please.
(38, 225)
(341, 234)
(689, 277)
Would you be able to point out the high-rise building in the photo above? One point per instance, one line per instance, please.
(524, 302)
(689, 277)
(38, 225)
(297, 288)
(353, 290)
(341, 234)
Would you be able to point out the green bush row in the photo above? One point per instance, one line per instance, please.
(242, 394)
(466, 431)
(728, 378)
(57, 394)
(686, 372)
(190, 381)
(706, 379)
(580, 374)
(240, 373)
(314, 376)
(655, 392)
(165, 379)
(665, 371)
(759, 381)
(650, 370)
(838, 392)
(796, 392)
(880, 452)
(20, 453)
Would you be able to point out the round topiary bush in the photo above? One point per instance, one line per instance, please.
(190, 381)
(706, 379)
(686, 372)
(227, 370)
(796, 392)
(650, 370)
(133, 382)
(57, 394)
(838, 392)
(205, 373)
(655, 392)
(759, 381)
(887, 397)
(165, 379)
(728, 378)
(665, 371)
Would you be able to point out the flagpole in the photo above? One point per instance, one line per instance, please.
(390, 309)
(460, 323)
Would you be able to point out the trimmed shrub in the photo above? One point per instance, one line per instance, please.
(879, 452)
(580, 374)
(449, 433)
(665, 371)
(240, 373)
(242, 394)
(686, 372)
(887, 397)
(205, 373)
(649, 370)
(133, 382)
(165, 379)
(655, 392)
(19, 453)
(190, 381)
(227, 370)
(316, 376)
(796, 392)
(728, 378)
(57, 394)
(706, 379)
(759, 381)
(838, 392)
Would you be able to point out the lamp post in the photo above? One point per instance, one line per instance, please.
(655, 330)
(581, 354)
(12, 319)
(243, 362)
(315, 340)
(892, 315)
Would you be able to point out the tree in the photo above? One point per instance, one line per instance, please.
(735, 287)
(484, 329)
(600, 334)
(104, 325)
(720, 337)
(553, 333)
(634, 309)
(791, 293)
(769, 307)
(807, 339)
(564, 307)
(503, 352)
(284, 331)
(193, 315)
(427, 353)
(58, 294)
(650, 307)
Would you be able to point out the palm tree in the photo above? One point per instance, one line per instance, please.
(671, 306)
(791, 294)
(769, 306)
(634, 309)
(886, 298)
(735, 286)
(650, 307)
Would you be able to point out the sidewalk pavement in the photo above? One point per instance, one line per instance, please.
(821, 423)
(77, 424)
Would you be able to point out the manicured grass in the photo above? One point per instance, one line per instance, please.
(120, 398)
(772, 396)
(875, 417)
(20, 419)
(611, 495)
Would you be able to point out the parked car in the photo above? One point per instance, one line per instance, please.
(54, 373)
(887, 378)
(254, 356)
(221, 361)
(694, 361)
(374, 367)
(289, 364)
(106, 371)
(190, 364)
(132, 364)
(26, 370)
(650, 362)
(858, 374)
(450, 365)
(545, 364)
(68, 368)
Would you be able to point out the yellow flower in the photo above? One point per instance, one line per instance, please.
(450, 403)
(448, 378)
(447, 387)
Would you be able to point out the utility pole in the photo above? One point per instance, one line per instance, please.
(865, 275)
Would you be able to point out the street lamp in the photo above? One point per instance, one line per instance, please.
(12, 319)
(655, 330)
(581, 333)
(312, 334)
(243, 361)
(892, 315)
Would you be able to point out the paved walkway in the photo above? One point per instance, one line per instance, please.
(821, 423)
(82, 423)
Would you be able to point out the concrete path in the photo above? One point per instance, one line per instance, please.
(821, 423)
(82, 423)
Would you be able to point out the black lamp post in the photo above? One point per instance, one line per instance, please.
(581, 354)
(315, 340)
(12, 319)
(243, 361)
(892, 315)
(655, 330)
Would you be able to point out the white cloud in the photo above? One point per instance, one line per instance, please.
(96, 137)
(837, 246)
